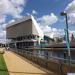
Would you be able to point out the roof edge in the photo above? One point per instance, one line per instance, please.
(19, 20)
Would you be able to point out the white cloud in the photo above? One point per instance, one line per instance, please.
(45, 22)
(11, 21)
(3, 27)
(2, 18)
(70, 9)
(12, 7)
(2, 36)
(27, 14)
(34, 12)
(48, 19)
(52, 32)
(45, 28)
(18, 2)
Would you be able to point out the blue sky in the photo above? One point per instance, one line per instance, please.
(46, 13)
(46, 7)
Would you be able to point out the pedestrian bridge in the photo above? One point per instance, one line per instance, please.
(18, 65)
(22, 62)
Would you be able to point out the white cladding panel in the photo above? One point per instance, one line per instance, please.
(20, 29)
(24, 27)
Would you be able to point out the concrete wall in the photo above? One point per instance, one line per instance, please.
(20, 29)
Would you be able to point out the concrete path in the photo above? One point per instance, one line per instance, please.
(20, 66)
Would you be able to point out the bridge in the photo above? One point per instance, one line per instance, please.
(52, 65)
(18, 65)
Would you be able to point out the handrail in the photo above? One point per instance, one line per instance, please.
(49, 58)
(47, 48)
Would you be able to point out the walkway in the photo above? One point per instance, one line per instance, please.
(18, 65)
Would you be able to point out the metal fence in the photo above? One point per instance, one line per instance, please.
(43, 54)
(46, 59)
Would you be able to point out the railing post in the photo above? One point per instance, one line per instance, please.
(46, 55)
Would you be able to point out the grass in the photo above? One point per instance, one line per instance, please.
(3, 67)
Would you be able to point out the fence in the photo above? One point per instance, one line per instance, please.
(50, 62)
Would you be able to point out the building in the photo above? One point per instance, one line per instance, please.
(60, 50)
(24, 33)
(72, 38)
(48, 39)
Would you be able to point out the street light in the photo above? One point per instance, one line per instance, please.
(67, 39)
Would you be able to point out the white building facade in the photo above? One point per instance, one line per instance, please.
(24, 33)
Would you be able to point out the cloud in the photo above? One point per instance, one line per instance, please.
(34, 12)
(45, 28)
(54, 32)
(48, 19)
(2, 18)
(11, 21)
(2, 36)
(3, 27)
(19, 2)
(70, 9)
(12, 7)
(28, 14)
(45, 22)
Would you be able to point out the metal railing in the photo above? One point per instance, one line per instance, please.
(34, 52)
(51, 62)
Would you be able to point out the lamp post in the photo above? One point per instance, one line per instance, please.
(67, 39)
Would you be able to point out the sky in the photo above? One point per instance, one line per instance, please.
(46, 13)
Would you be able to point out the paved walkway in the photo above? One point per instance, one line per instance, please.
(20, 66)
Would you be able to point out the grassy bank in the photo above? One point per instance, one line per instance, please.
(3, 68)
